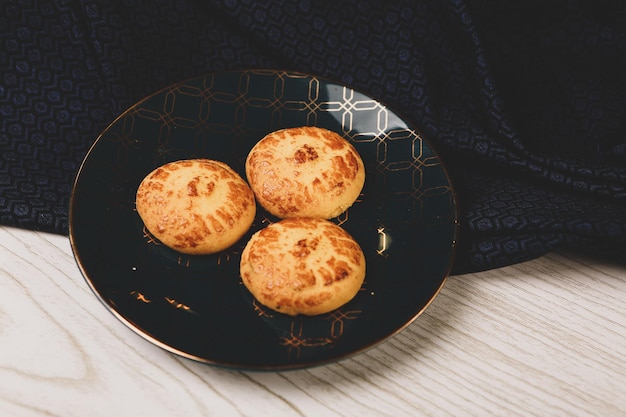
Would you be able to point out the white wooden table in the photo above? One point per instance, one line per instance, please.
(543, 338)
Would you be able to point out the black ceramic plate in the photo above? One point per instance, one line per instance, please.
(196, 306)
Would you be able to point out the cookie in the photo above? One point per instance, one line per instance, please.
(196, 206)
(305, 172)
(302, 266)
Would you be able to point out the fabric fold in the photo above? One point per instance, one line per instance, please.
(523, 102)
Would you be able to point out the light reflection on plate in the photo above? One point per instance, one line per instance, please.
(196, 306)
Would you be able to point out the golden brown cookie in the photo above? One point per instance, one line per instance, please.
(196, 206)
(302, 266)
(305, 172)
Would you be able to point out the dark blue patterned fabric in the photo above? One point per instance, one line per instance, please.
(524, 101)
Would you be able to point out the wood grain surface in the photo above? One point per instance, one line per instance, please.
(541, 338)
